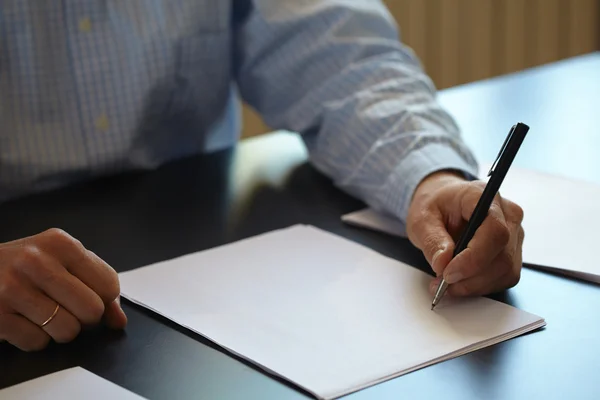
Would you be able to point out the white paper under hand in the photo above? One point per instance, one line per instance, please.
(369, 218)
(319, 310)
(70, 384)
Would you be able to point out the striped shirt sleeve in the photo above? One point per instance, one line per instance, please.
(337, 72)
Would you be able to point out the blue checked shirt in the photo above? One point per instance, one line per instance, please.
(92, 87)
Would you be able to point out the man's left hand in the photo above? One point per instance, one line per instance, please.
(441, 206)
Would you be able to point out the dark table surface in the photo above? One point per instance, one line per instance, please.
(264, 184)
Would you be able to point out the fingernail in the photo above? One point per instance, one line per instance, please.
(454, 277)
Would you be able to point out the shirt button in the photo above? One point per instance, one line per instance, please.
(102, 123)
(85, 25)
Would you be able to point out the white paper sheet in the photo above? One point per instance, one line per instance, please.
(562, 221)
(70, 384)
(321, 311)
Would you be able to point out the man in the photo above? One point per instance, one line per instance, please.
(100, 86)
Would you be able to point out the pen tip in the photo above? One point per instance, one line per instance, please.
(432, 307)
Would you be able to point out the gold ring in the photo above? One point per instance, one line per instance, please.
(52, 316)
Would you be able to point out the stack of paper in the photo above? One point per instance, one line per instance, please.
(323, 312)
(70, 384)
(562, 222)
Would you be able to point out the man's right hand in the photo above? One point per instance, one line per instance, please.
(49, 269)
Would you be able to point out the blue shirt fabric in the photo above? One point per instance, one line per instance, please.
(92, 87)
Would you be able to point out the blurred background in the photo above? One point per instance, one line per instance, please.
(462, 41)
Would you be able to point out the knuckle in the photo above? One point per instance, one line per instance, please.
(415, 219)
(470, 198)
(29, 258)
(10, 288)
(113, 287)
(480, 185)
(68, 332)
(93, 313)
(474, 189)
(32, 262)
(63, 239)
(56, 234)
(514, 278)
(518, 212)
(430, 243)
(500, 231)
(41, 343)
(507, 261)
(107, 285)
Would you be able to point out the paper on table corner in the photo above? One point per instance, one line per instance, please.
(68, 384)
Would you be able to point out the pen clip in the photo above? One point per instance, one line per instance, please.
(502, 150)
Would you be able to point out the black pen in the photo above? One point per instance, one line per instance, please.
(497, 173)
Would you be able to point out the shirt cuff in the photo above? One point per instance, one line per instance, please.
(396, 195)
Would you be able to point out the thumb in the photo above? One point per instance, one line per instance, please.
(114, 316)
(432, 238)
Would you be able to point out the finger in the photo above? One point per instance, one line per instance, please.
(480, 286)
(512, 211)
(37, 308)
(64, 327)
(514, 255)
(101, 278)
(84, 264)
(517, 255)
(430, 236)
(22, 333)
(114, 316)
(489, 241)
(47, 274)
(492, 279)
(433, 285)
(471, 196)
(520, 241)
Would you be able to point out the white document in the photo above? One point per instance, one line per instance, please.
(371, 219)
(321, 311)
(562, 222)
(70, 384)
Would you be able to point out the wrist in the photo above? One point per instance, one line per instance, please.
(436, 180)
